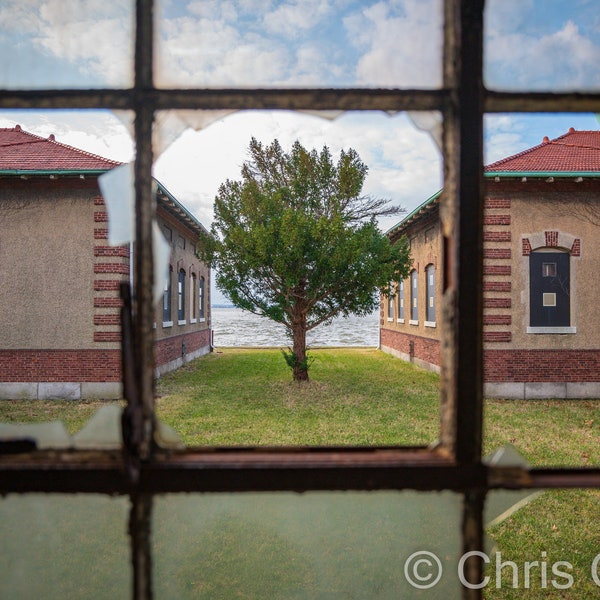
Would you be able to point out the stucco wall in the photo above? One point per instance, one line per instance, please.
(59, 299)
(46, 264)
(538, 212)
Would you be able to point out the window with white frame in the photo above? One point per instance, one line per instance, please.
(430, 290)
(390, 303)
(201, 299)
(167, 320)
(181, 297)
(414, 297)
(401, 301)
(193, 298)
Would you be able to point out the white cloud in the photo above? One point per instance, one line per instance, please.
(93, 35)
(212, 51)
(561, 59)
(294, 18)
(401, 43)
(404, 164)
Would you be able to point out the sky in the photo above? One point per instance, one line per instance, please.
(529, 44)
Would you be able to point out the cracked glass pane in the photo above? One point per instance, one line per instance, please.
(291, 44)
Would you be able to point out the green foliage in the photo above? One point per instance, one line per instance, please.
(295, 240)
(291, 360)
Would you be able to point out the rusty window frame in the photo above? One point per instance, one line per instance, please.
(141, 470)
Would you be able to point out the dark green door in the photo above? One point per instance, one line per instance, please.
(549, 297)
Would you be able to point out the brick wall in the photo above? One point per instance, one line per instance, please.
(497, 270)
(425, 349)
(60, 365)
(111, 267)
(87, 365)
(170, 349)
(542, 365)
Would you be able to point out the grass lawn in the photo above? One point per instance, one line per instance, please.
(361, 397)
(355, 397)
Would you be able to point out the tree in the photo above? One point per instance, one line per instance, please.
(295, 241)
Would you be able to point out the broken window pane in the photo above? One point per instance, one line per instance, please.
(309, 44)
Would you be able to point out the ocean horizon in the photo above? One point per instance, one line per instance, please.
(234, 327)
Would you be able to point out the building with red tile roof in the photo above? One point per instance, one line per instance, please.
(540, 263)
(60, 334)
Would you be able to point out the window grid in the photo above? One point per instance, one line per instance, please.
(462, 101)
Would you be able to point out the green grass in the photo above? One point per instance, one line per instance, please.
(355, 397)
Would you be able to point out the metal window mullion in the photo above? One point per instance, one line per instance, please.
(140, 407)
(461, 213)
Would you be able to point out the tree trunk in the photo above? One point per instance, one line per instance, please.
(300, 368)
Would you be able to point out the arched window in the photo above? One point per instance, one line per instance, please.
(167, 299)
(401, 301)
(414, 297)
(391, 303)
(181, 296)
(193, 299)
(430, 287)
(201, 299)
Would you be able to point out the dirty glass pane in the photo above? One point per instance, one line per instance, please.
(541, 45)
(51, 547)
(299, 44)
(312, 545)
(74, 44)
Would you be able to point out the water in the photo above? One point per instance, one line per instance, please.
(236, 327)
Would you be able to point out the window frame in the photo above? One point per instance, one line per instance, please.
(140, 470)
(414, 297)
(193, 298)
(201, 298)
(167, 313)
(430, 304)
(181, 277)
(401, 307)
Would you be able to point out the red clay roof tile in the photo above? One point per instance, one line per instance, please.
(24, 151)
(573, 152)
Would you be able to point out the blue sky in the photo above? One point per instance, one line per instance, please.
(530, 44)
